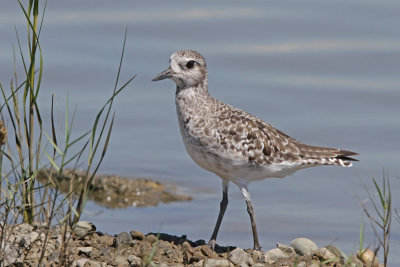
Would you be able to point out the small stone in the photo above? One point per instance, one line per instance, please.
(258, 265)
(122, 238)
(274, 254)
(151, 238)
(54, 257)
(368, 257)
(288, 250)
(87, 251)
(134, 261)
(353, 261)
(216, 263)
(302, 264)
(83, 228)
(258, 256)
(239, 256)
(200, 263)
(11, 255)
(324, 254)
(106, 240)
(337, 252)
(137, 235)
(80, 262)
(208, 252)
(121, 260)
(303, 246)
(24, 228)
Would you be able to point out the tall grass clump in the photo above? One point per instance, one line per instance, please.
(31, 147)
(380, 213)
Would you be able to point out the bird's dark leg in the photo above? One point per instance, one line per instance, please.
(222, 208)
(250, 210)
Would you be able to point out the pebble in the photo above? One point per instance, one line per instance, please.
(122, 238)
(238, 256)
(107, 240)
(324, 254)
(87, 251)
(287, 249)
(11, 255)
(258, 256)
(337, 252)
(83, 228)
(208, 252)
(137, 235)
(134, 261)
(303, 246)
(354, 261)
(367, 256)
(151, 238)
(274, 255)
(217, 263)
(121, 260)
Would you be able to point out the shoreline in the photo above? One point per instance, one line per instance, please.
(86, 246)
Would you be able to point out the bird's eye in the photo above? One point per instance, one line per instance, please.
(190, 64)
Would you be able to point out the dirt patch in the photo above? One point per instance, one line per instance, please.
(113, 191)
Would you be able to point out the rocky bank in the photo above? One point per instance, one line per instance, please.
(26, 245)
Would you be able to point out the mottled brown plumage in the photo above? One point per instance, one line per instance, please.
(235, 145)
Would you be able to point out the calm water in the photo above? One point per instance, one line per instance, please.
(326, 73)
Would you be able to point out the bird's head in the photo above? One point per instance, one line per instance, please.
(187, 68)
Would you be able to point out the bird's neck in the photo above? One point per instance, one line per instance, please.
(192, 100)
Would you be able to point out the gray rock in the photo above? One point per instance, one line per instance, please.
(258, 265)
(273, 255)
(216, 263)
(122, 238)
(87, 251)
(239, 256)
(134, 261)
(83, 228)
(303, 246)
(302, 264)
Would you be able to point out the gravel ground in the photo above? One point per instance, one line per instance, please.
(22, 245)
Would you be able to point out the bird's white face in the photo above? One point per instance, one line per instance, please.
(186, 69)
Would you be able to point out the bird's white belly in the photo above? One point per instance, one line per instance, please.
(237, 170)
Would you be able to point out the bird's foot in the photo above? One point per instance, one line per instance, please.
(257, 247)
(212, 243)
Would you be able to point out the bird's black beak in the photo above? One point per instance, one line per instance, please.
(168, 73)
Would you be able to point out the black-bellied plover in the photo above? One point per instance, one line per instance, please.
(236, 146)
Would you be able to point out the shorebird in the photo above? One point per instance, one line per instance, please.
(235, 145)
